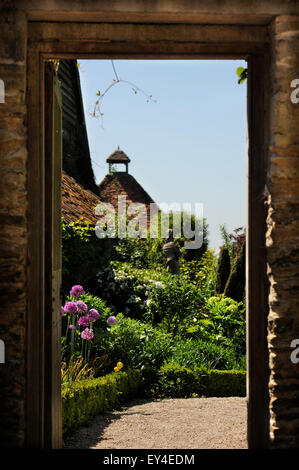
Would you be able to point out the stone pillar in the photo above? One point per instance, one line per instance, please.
(283, 234)
(13, 248)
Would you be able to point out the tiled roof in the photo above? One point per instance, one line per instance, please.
(77, 202)
(120, 183)
(124, 184)
(118, 157)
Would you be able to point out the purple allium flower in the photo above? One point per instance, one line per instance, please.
(82, 307)
(111, 321)
(87, 334)
(84, 321)
(72, 327)
(71, 307)
(76, 291)
(93, 314)
(62, 311)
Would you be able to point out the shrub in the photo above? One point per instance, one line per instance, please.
(148, 253)
(235, 287)
(202, 273)
(193, 353)
(225, 383)
(137, 345)
(124, 289)
(141, 253)
(83, 400)
(223, 270)
(174, 381)
(83, 254)
(227, 322)
(174, 303)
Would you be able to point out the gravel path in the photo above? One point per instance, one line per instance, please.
(190, 423)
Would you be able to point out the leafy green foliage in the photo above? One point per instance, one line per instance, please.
(242, 74)
(140, 345)
(227, 322)
(147, 252)
(181, 306)
(174, 303)
(127, 289)
(137, 345)
(83, 254)
(223, 270)
(140, 252)
(196, 254)
(193, 353)
(201, 273)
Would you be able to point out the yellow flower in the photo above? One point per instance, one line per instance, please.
(119, 365)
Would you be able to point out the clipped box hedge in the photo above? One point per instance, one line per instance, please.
(83, 400)
(174, 381)
(87, 398)
(225, 383)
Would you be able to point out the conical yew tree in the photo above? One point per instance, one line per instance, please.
(235, 286)
(223, 270)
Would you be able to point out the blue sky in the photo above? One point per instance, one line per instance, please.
(189, 145)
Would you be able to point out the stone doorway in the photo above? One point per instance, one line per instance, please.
(134, 40)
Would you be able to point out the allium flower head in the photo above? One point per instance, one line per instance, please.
(93, 314)
(82, 307)
(111, 321)
(87, 334)
(62, 311)
(84, 321)
(76, 291)
(71, 307)
(72, 327)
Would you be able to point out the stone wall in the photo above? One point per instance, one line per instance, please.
(283, 235)
(283, 214)
(13, 249)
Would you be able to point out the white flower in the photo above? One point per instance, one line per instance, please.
(159, 285)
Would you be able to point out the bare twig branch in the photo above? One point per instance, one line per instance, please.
(97, 109)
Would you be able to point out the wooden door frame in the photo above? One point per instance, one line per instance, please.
(151, 41)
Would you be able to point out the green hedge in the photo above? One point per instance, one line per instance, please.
(174, 381)
(83, 400)
(225, 383)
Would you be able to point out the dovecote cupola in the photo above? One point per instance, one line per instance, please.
(116, 158)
